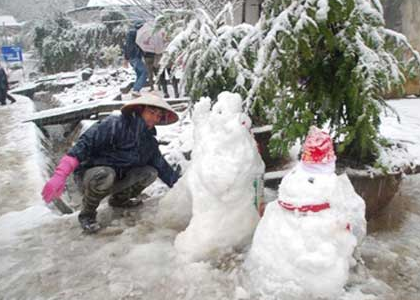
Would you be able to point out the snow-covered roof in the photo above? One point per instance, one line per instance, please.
(8, 21)
(94, 3)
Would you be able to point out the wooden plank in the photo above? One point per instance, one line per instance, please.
(75, 113)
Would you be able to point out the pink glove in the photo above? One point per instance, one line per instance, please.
(55, 186)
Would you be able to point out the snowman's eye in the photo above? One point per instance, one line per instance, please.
(311, 179)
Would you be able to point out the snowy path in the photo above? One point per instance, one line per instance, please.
(20, 164)
(392, 249)
(45, 256)
(135, 261)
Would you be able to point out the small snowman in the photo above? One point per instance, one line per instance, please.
(303, 246)
(216, 191)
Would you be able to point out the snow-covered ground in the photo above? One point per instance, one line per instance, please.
(22, 163)
(404, 132)
(46, 256)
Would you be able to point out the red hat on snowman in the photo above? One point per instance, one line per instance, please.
(318, 152)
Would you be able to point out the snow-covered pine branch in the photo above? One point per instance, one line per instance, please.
(206, 49)
(325, 63)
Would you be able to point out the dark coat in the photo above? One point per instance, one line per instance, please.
(131, 49)
(122, 142)
(4, 85)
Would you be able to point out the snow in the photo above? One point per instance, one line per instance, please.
(45, 256)
(292, 250)
(74, 108)
(216, 191)
(8, 21)
(94, 3)
(104, 84)
(322, 12)
(262, 129)
(23, 87)
(14, 222)
(20, 155)
(397, 132)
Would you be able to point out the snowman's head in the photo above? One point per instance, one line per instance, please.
(302, 187)
(313, 180)
(228, 104)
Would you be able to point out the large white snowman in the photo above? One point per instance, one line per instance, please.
(216, 191)
(303, 245)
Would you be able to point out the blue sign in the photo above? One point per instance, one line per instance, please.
(11, 53)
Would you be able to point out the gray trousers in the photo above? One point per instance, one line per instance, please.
(99, 182)
(152, 65)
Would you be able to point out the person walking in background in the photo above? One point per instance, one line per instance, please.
(152, 64)
(153, 42)
(134, 55)
(149, 59)
(164, 84)
(4, 87)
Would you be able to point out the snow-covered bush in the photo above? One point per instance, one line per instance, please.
(326, 62)
(206, 48)
(110, 55)
(64, 46)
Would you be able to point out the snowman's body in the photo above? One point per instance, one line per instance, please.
(304, 243)
(225, 160)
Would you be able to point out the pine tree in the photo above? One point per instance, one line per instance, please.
(326, 63)
(207, 50)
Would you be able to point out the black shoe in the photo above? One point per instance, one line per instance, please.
(130, 203)
(89, 224)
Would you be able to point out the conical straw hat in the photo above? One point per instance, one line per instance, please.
(138, 104)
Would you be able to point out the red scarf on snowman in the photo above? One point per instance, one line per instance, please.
(317, 157)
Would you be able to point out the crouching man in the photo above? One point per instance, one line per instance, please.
(118, 156)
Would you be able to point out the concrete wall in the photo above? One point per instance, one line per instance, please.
(248, 12)
(400, 15)
(404, 16)
(410, 10)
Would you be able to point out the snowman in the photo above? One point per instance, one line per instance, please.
(303, 246)
(216, 192)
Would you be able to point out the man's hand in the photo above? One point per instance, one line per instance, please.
(125, 64)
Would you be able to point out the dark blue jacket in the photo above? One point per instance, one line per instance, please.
(122, 142)
(131, 49)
